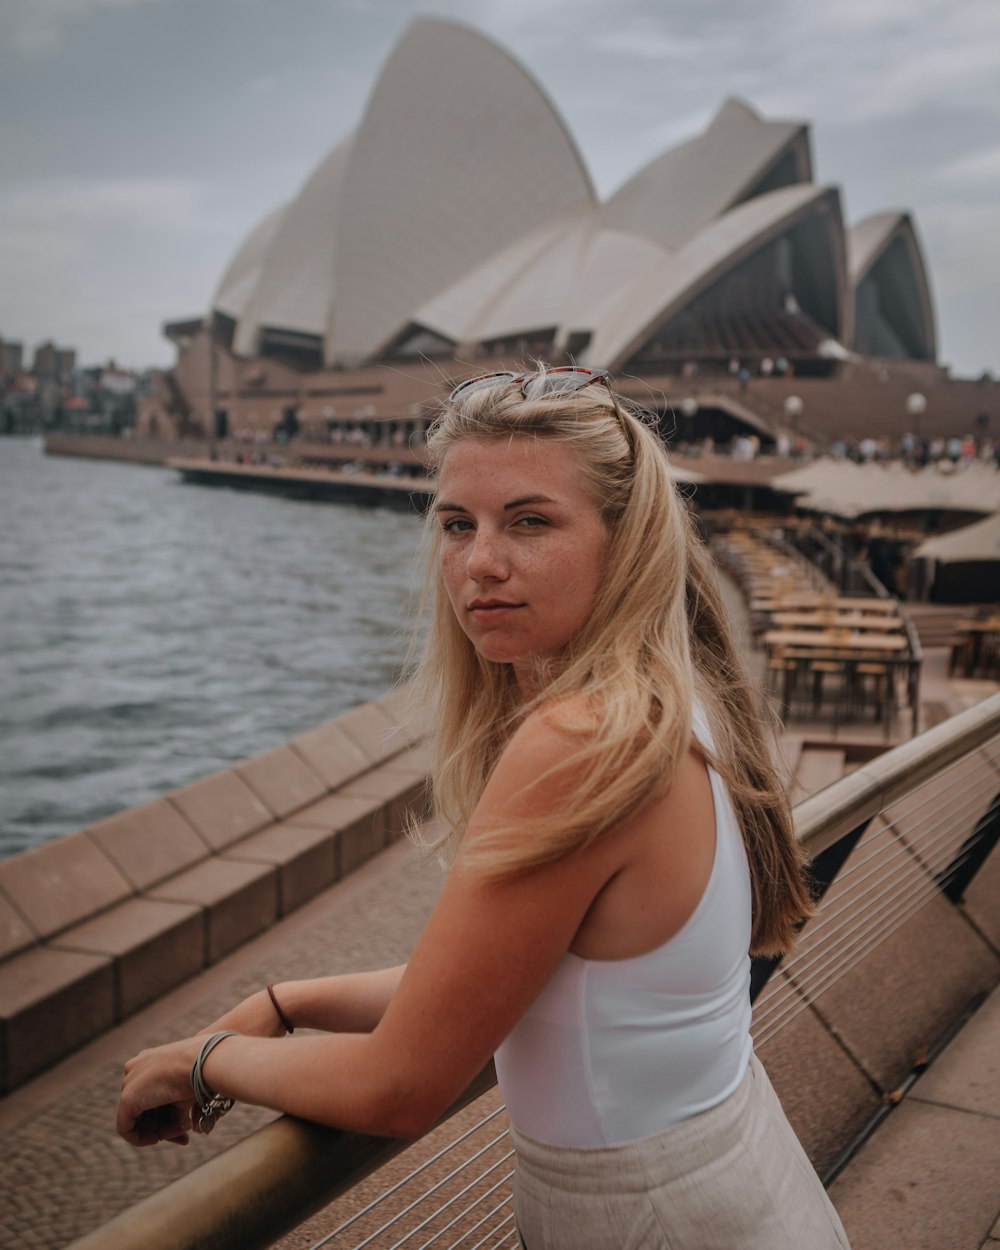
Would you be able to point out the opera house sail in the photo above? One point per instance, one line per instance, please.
(457, 229)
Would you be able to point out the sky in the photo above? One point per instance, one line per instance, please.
(141, 140)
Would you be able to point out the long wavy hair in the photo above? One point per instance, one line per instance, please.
(656, 642)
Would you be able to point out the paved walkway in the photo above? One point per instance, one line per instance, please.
(64, 1171)
(928, 1179)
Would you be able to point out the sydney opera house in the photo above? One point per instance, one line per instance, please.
(457, 230)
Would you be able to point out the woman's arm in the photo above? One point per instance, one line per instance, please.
(351, 1003)
(487, 951)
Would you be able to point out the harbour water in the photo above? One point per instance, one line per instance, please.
(151, 632)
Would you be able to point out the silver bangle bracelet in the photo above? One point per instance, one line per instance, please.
(211, 1107)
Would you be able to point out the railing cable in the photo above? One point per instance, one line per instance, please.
(882, 870)
(919, 883)
(805, 999)
(429, 1219)
(471, 1208)
(411, 1176)
(923, 885)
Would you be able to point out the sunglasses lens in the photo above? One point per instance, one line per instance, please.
(469, 387)
(562, 381)
(559, 381)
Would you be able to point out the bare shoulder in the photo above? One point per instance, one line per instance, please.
(573, 715)
(545, 748)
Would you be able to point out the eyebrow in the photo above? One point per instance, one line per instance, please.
(514, 503)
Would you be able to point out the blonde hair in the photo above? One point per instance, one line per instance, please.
(655, 643)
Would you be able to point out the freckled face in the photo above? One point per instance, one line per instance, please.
(523, 547)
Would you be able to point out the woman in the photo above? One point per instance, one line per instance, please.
(621, 841)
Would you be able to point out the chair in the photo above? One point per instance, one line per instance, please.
(962, 654)
(826, 672)
(782, 678)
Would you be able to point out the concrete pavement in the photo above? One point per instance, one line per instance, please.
(928, 1179)
(64, 1171)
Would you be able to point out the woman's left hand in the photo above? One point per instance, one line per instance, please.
(157, 1102)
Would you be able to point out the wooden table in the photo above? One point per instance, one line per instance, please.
(824, 603)
(800, 652)
(868, 605)
(836, 640)
(980, 638)
(838, 620)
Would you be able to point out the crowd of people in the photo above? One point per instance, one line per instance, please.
(911, 450)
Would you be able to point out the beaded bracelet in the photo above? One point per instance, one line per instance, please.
(211, 1107)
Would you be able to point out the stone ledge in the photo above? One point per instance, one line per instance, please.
(95, 925)
(831, 1102)
(149, 843)
(373, 730)
(61, 883)
(398, 788)
(221, 808)
(282, 779)
(237, 900)
(154, 946)
(51, 1003)
(331, 753)
(357, 824)
(15, 935)
(304, 859)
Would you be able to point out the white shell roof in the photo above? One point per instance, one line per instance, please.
(295, 285)
(658, 292)
(679, 193)
(461, 204)
(459, 154)
(240, 279)
(867, 239)
(559, 276)
(464, 311)
(576, 276)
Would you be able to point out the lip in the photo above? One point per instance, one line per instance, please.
(492, 607)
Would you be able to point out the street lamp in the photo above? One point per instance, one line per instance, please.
(689, 410)
(793, 410)
(916, 406)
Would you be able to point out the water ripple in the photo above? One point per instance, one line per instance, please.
(151, 632)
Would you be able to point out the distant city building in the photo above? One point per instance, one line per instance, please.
(457, 230)
(57, 395)
(11, 358)
(54, 363)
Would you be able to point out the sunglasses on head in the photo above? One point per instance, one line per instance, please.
(563, 380)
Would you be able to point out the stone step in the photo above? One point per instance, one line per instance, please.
(97, 924)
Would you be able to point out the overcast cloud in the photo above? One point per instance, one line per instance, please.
(141, 139)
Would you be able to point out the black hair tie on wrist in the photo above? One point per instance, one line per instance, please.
(286, 1023)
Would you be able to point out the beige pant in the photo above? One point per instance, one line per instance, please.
(733, 1178)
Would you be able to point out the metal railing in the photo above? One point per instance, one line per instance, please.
(938, 795)
(820, 550)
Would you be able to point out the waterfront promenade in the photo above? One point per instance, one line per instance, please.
(928, 1179)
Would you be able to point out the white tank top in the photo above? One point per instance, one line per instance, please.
(618, 1049)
